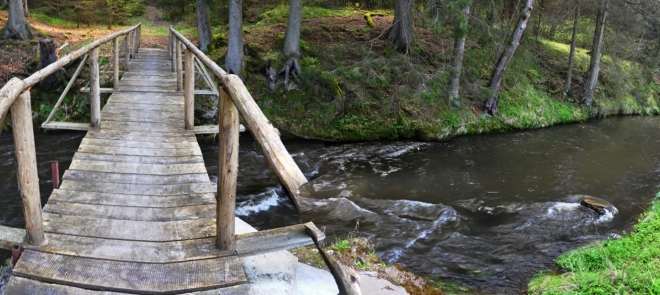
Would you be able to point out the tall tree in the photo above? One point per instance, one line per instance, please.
(17, 26)
(292, 39)
(571, 56)
(203, 26)
(460, 33)
(505, 58)
(234, 59)
(25, 8)
(401, 32)
(594, 64)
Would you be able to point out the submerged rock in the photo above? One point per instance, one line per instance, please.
(597, 205)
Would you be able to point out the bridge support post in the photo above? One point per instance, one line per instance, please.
(137, 39)
(179, 65)
(228, 121)
(116, 64)
(94, 88)
(170, 44)
(26, 157)
(189, 91)
(127, 57)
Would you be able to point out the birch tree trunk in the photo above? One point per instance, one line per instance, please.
(594, 64)
(203, 26)
(292, 40)
(571, 56)
(234, 59)
(17, 26)
(505, 58)
(401, 33)
(459, 50)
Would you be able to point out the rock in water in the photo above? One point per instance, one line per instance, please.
(599, 206)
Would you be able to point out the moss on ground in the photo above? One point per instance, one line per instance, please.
(629, 265)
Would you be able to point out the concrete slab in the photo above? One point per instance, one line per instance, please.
(371, 284)
(314, 281)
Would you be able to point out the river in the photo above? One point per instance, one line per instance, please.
(488, 211)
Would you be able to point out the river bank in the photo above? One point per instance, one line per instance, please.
(625, 266)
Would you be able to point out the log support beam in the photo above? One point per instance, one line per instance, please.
(189, 91)
(228, 120)
(94, 88)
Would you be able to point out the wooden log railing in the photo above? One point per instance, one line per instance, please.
(234, 99)
(16, 95)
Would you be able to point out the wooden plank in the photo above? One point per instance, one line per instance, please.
(141, 99)
(262, 242)
(140, 136)
(80, 175)
(94, 149)
(142, 126)
(135, 168)
(122, 107)
(26, 159)
(148, 136)
(183, 144)
(101, 90)
(130, 229)
(131, 213)
(66, 126)
(131, 277)
(139, 82)
(10, 236)
(23, 286)
(205, 92)
(134, 200)
(137, 116)
(141, 96)
(138, 159)
(140, 189)
(213, 129)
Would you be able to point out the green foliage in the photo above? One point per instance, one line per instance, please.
(630, 265)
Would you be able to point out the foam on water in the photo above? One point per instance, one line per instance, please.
(561, 207)
(260, 202)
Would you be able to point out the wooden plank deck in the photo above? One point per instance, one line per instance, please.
(135, 212)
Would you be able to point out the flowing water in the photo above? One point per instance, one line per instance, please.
(488, 211)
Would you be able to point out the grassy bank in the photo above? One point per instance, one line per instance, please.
(630, 265)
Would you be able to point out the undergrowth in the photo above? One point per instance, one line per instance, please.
(630, 265)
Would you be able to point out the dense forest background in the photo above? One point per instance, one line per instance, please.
(384, 69)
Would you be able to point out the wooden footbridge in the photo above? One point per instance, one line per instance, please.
(136, 212)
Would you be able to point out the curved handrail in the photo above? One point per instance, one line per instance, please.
(15, 86)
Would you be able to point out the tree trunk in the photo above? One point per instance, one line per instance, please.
(292, 40)
(203, 26)
(505, 58)
(17, 26)
(459, 50)
(234, 59)
(594, 64)
(47, 56)
(571, 56)
(25, 8)
(401, 33)
(538, 25)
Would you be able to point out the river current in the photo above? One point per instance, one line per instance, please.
(487, 211)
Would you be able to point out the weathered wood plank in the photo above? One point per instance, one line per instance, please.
(10, 236)
(138, 159)
(123, 177)
(183, 144)
(140, 189)
(23, 286)
(137, 116)
(120, 107)
(131, 277)
(133, 168)
(132, 230)
(212, 129)
(135, 135)
(165, 252)
(131, 213)
(66, 126)
(142, 126)
(95, 149)
(228, 160)
(134, 200)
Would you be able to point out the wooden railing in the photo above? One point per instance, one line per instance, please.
(234, 100)
(16, 95)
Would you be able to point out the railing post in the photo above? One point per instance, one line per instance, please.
(127, 57)
(116, 56)
(179, 65)
(139, 37)
(170, 44)
(94, 88)
(28, 179)
(189, 91)
(227, 171)
(136, 36)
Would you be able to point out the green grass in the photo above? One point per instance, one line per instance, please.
(630, 265)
